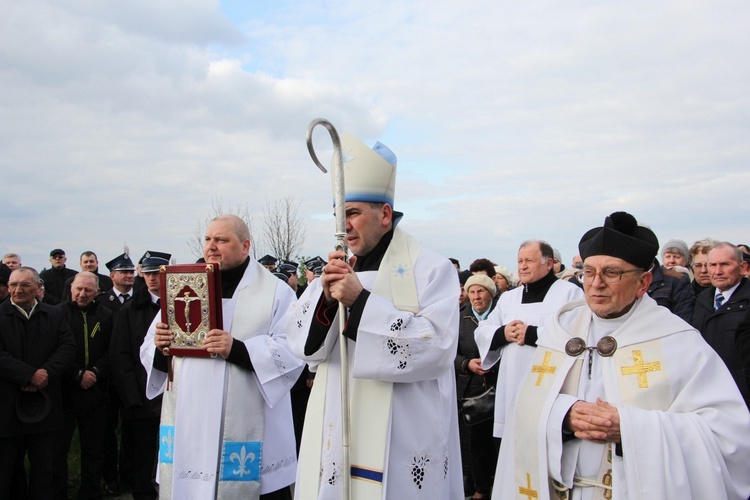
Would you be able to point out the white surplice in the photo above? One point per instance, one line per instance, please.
(211, 401)
(685, 430)
(515, 358)
(416, 353)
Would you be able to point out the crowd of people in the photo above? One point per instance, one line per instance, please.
(501, 314)
(621, 376)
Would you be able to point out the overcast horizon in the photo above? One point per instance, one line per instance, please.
(123, 122)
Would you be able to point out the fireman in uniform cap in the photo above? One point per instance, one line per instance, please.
(140, 415)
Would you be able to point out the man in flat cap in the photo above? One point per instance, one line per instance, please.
(624, 399)
(55, 278)
(140, 415)
(402, 335)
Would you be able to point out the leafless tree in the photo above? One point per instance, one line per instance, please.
(195, 244)
(282, 231)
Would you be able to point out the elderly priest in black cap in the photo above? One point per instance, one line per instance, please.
(624, 399)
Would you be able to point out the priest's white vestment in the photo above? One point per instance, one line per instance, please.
(685, 430)
(226, 431)
(515, 358)
(414, 351)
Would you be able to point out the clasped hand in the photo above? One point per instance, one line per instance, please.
(340, 282)
(598, 422)
(515, 331)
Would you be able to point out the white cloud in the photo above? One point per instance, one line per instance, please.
(122, 121)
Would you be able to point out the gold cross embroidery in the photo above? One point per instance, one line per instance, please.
(543, 369)
(526, 490)
(641, 369)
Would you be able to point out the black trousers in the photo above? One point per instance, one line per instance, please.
(111, 449)
(484, 452)
(91, 426)
(43, 451)
(282, 494)
(143, 438)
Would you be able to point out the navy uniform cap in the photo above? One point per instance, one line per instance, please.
(289, 263)
(314, 262)
(317, 271)
(283, 277)
(288, 268)
(151, 261)
(268, 260)
(121, 263)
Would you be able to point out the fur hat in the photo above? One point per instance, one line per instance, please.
(505, 273)
(483, 280)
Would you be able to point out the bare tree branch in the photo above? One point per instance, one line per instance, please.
(282, 231)
(195, 244)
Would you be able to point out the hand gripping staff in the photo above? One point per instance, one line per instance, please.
(340, 211)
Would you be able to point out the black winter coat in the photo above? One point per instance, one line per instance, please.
(54, 283)
(672, 290)
(128, 374)
(719, 328)
(92, 331)
(467, 382)
(42, 341)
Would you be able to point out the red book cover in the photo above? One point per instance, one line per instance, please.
(190, 305)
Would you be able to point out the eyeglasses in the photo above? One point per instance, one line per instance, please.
(57, 256)
(23, 285)
(609, 275)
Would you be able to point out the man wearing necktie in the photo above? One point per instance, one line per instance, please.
(140, 415)
(122, 273)
(721, 308)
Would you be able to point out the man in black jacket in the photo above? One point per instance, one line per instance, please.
(36, 348)
(720, 309)
(85, 385)
(140, 424)
(55, 278)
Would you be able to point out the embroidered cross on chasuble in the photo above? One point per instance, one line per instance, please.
(527, 491)
(641, 369)
(543, 369)
(649, 389)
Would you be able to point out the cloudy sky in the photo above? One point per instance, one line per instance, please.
(125, 122)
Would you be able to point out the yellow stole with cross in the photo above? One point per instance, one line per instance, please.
(635, 376)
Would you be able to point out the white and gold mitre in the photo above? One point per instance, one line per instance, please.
(369, 174)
